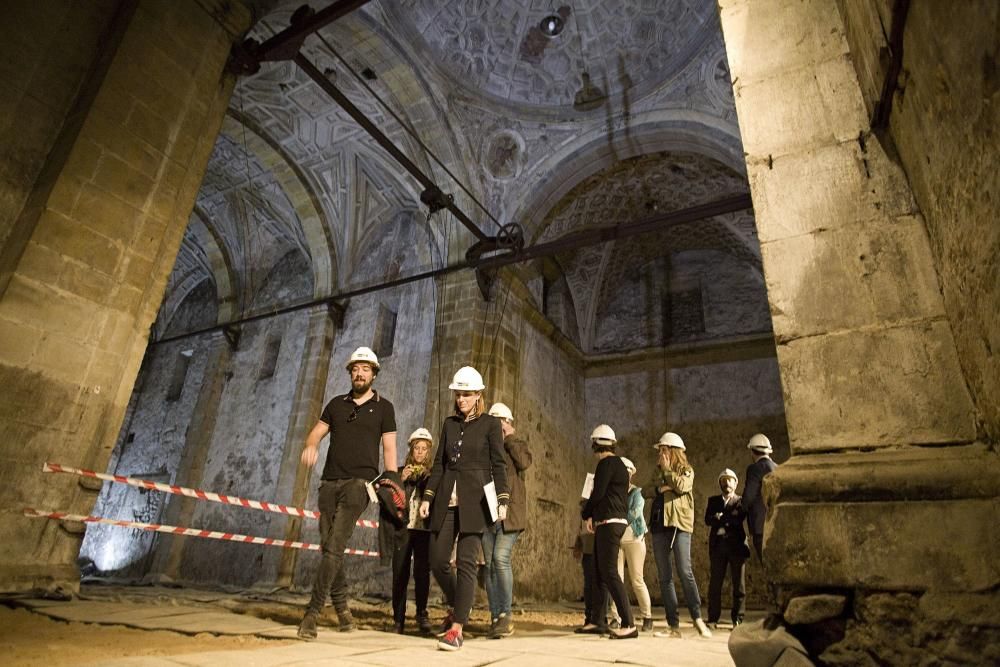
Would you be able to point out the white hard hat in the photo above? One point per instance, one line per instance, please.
(363, 354)
(759, 443)
(729, 473)
(501, 411)
(628, 464)
(421, 434)
(467, 379)
(670, 440)
(603, 435)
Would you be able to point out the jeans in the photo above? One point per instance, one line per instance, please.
(678, 543)
(415, 543)
(458, 591)
(341, 502)
(607, 539)
(497, 546)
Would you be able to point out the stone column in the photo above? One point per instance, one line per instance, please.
(887, 488)
(293, 478)
(85, 262)
(191, 468)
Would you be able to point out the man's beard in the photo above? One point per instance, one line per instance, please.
(362, 389)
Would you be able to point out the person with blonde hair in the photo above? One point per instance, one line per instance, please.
(470, 457)
(633, 548)
(671, 523)
(413, 539)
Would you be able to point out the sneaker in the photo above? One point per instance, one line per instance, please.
(736, 622)
(345, 620)
(647, 625)
(307, 628)
(424, 623)
(452, 641)
(503, 627)
(614, 624)
(446, 624)
(669, 633)
(702, 628)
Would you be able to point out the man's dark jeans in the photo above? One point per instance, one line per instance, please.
(341, 503)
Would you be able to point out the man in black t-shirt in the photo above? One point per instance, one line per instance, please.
(357, 423)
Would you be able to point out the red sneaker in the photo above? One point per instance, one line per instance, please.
(452, 641)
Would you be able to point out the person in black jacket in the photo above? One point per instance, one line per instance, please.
(413, 539)
(727, 548)
(605, 513)
(470, 457)
(753, 501)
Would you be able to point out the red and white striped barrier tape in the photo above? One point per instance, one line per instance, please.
(197, 494)
(190, 532)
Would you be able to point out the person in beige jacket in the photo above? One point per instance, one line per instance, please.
(671, 522)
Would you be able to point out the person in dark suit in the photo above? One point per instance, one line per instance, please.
(753, 501)
(469, 457)
(727, 548)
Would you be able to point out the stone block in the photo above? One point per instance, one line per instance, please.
(41, 264)
(942, 546)
(70, 238)
(814, 608)
(117, 176)
(875, 388)
(150, 127)
(878, 273)
(84, 282)
(62, 357)
(801, 110)
(107, 215)
(774, 36)
(41, 306)
(826, 188)
(17, 343)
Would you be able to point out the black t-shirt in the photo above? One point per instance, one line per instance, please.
(355, 435)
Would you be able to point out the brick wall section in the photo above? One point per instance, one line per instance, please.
(82, 294)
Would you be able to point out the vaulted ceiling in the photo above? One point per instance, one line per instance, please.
(508, 111)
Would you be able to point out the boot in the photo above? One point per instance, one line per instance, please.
(345, 620)
(647, 625)
(423, 623)
(307, 628)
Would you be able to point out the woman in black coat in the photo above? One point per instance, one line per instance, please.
(469, 456)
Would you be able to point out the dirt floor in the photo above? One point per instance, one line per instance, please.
(32, 639)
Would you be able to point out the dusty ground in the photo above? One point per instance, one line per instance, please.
(32, 639)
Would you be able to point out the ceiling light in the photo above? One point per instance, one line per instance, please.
(551, 25)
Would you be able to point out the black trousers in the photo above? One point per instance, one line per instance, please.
(724, 555)
(415, 544)
(341, 502)
(607, 542)
(758, 546)
(458, 590)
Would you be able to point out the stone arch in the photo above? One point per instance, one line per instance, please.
(297, 188)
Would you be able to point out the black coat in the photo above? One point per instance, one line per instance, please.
(482, 459)
(753, 501)
(730, 519)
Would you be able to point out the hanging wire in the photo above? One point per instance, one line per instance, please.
(245, 201)
(407, 128)
(496, 331)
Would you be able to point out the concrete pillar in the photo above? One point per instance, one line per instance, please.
(191, 469)
(307, 404)
(86, 260)
(868, 361)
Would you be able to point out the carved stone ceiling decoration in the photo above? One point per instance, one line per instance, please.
(639, 188)
(495, 48)
(250, 213)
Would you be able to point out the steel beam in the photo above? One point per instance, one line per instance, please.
(568, 242)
